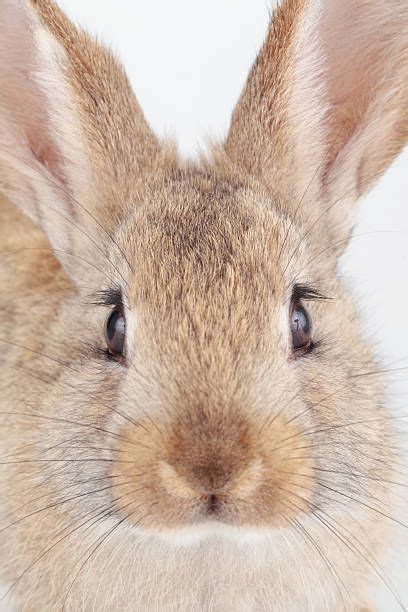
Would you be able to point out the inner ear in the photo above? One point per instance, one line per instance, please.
(73, 141)
(43, 156)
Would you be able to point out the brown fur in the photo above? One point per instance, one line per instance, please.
(204, 473)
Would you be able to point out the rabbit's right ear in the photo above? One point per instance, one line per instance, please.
(72, 135)
(325, 107)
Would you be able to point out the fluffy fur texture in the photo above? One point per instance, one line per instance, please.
(213, 469)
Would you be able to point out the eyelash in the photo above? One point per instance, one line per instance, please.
(108, 297)
(303, 292)
(312, 348)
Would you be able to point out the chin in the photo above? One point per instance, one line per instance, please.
(210, 531)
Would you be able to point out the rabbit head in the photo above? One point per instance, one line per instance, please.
(192, 367)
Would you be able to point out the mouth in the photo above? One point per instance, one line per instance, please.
(213, 505)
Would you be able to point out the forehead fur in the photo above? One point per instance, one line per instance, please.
(195, 221)
(206, 248)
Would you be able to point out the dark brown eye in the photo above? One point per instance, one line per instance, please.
(301, 327)
(115, 329)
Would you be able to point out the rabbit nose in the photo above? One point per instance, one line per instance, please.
(210, 484)
(211, 476)
(200, 484)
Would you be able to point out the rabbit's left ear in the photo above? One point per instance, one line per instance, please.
(325, 108)
(72, 135)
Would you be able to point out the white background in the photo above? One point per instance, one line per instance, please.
(188, 61)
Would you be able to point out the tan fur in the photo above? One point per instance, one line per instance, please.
(109, 469)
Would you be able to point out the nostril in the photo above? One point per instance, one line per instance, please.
(213, 504)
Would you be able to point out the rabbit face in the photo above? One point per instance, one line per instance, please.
(209, 411)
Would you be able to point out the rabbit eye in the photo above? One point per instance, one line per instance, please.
(301, 327)
(115, 329)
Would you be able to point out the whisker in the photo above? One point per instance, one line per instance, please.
(363, 476)
(52, 181)
(92, 240)
(308, 230)
(49, 549)
(310, 407)
(301, 200)
(337, 579)
(64, 488)
(362, 503)
(378, 372)
(52, 250)
(39, 353)
(85, 460)
(68, 422)
(274, 416)
(55, 505)
(100, 541)
(110, 407)
(91, 216)
(105, 514)
(339, 426)
(373, 563)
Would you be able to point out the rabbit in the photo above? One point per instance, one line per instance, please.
(192, 417)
